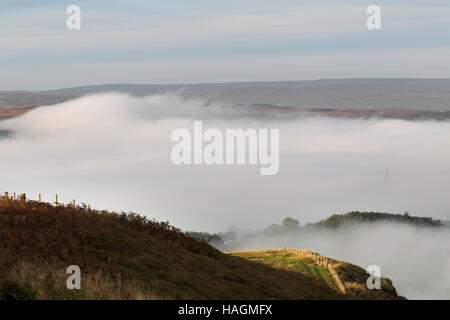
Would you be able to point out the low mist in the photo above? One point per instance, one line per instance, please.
(113, 151)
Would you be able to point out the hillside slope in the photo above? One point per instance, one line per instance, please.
(125, 256)
(340, 275)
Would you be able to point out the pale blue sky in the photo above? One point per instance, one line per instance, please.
(179, 41)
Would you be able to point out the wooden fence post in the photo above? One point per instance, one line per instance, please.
(73, 202)
(56, 199)
(39, 198)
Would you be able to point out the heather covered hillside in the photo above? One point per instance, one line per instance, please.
(126, 256)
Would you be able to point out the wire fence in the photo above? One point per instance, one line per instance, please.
(320, 260)
(43, 198)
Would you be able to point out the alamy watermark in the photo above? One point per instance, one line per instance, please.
(374, 20)
(74, 280)
(374, 281)
(73, 22)
(232, 147)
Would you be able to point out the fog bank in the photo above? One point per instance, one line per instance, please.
(113, 151)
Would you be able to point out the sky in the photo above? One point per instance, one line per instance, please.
(137, 41)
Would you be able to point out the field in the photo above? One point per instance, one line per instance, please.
(292, 262)
(15, 111)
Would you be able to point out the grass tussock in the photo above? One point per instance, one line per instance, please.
(48, 282)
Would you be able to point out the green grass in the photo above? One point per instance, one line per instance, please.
(353, 276)
(292, 262)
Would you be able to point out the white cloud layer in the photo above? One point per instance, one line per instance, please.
(99, 139)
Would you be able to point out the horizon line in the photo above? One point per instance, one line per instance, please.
(216, 83)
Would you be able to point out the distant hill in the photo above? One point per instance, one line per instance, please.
(393, 94)
(356, 217)
(23, 98)
(126, 256)
(15, 111)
